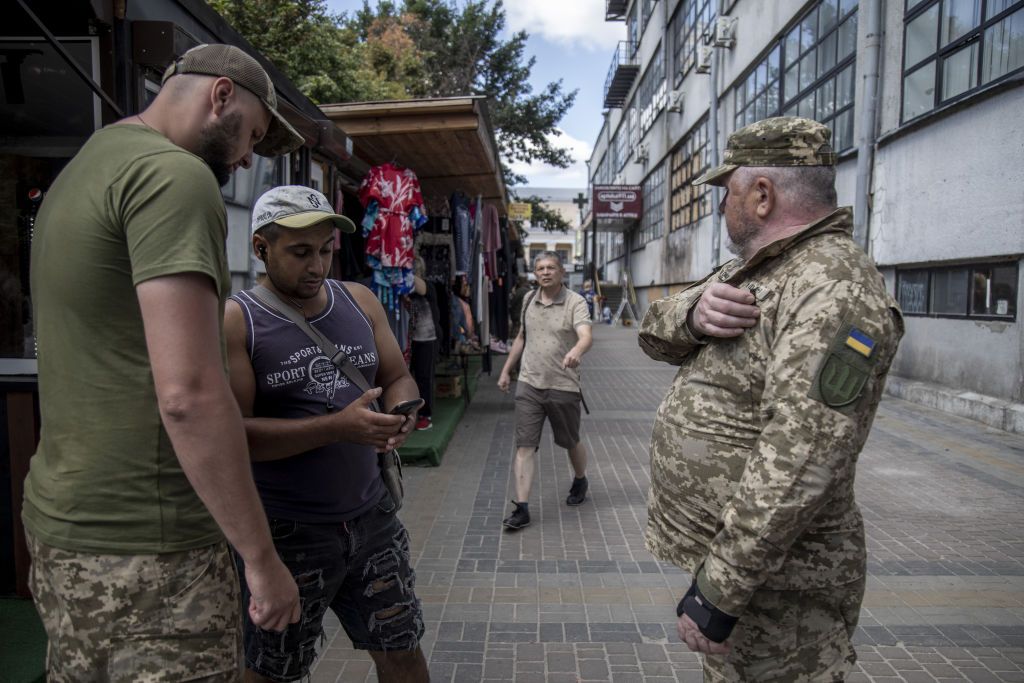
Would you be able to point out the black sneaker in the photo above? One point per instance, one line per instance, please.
(578, 492)
(519, 518)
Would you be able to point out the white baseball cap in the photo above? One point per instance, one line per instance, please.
(295, 206)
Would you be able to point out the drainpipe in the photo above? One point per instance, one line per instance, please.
(871, 12)
(666, 206)
(716, 217)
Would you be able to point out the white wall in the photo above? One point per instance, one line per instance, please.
(970, 355)
(953, 189)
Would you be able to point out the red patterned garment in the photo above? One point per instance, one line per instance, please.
(394, 210)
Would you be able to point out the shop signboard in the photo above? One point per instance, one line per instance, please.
(617, 203)
(520, 211)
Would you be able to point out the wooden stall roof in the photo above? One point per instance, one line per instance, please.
(447, 141)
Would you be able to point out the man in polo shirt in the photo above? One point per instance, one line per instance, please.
(554, 335)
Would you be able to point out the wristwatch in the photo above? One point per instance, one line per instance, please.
(715, 624)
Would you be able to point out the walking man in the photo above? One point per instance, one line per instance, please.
(554, 335)
(314, 441)
(142, 467)
(783, 354)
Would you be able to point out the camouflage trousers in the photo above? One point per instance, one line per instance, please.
(792, 636)
(167, 617)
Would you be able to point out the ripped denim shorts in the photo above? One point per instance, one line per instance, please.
(361, 570)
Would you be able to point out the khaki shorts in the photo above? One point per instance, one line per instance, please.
(166, 617)
(561, 408)
(792, 636)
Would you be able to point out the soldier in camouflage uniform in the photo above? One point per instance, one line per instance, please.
(782, 357)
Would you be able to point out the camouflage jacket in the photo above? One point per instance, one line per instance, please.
(754, 448)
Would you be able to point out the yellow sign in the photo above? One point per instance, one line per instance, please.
(520, 211)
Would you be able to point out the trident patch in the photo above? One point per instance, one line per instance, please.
(845, 370)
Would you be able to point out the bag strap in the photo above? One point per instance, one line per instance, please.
(337, 356)
(526, 306)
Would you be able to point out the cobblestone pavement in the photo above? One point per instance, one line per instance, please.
(576, 597)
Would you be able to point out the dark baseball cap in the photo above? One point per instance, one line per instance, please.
(778, 141)
(215, 59)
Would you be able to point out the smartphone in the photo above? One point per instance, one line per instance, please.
(408, 407)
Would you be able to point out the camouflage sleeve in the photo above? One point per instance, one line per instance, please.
(806, 454)
(664, 334)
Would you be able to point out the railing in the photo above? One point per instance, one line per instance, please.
(621, 74)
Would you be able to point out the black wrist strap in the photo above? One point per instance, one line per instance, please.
(715, 624)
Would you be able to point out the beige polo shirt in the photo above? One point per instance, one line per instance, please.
(550, 334)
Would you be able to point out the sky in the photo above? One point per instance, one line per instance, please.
(571, 41)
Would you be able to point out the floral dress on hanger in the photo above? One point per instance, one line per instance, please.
(394, 211)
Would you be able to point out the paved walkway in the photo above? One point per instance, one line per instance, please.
(575, 597)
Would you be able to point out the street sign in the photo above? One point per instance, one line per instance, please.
(520, 211)
(618, 202)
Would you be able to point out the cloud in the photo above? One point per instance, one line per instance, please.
(541, 175)
(574, 23)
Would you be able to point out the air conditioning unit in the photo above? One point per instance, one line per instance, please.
(724, 32)
(675, 100)
(641, 154)
(704, 60)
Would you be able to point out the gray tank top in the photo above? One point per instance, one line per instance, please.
(294, 379)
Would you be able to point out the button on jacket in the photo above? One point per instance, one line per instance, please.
(754, 448)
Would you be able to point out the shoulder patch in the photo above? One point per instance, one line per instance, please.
(845, 369)
(860, 342)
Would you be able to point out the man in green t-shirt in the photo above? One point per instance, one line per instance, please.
(142, 468)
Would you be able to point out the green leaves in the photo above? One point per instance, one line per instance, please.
(412, 49)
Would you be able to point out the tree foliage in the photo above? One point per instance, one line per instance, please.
(543, 217)
(309, 44)
(412, 48)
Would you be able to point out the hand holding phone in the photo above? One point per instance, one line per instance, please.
(408, 407)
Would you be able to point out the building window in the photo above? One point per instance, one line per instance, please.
(620, 152)
(757, 96)
(652, 93)
(987, 290)
(618, 246)
(810, 72)
(689, 24)
(953, 47)
(689, 160)
(633, 117)
(602, 176)
(633, 27)
(652, 225)
(647, 11)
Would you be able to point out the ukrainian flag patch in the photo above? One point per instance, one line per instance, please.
(860, 342)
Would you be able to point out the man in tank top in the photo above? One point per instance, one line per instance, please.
(314, 440)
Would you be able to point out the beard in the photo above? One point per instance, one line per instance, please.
(740, 235)
(216, 142)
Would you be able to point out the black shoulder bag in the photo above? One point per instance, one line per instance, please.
(390, 463)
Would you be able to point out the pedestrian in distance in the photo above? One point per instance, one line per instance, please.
(783, 354)
(314, 440)
(142, 468)
(553, 337)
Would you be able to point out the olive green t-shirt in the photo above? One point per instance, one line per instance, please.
(131, 206)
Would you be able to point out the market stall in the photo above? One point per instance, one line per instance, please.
(434, 207)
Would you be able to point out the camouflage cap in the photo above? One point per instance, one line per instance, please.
(227, 60)
(778, 141)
